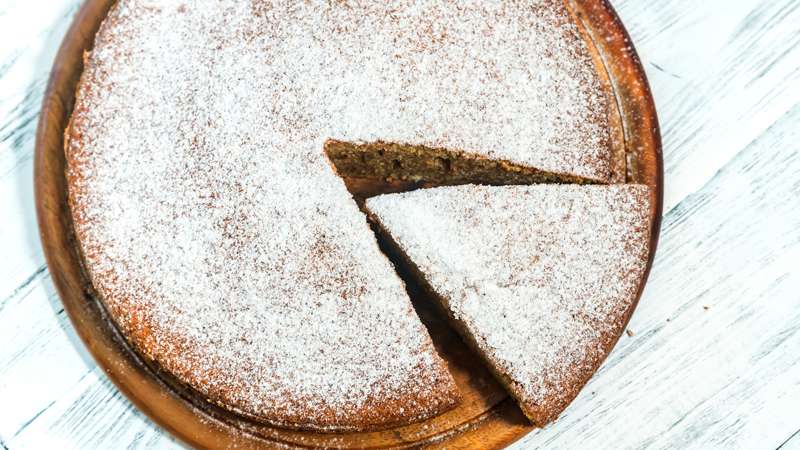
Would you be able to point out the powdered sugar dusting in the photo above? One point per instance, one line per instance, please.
(219, 237)
(216, 232)
(541, 276)
(504, 80)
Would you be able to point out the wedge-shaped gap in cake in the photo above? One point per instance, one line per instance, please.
(372, 168)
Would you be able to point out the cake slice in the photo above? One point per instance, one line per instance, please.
(540, 280)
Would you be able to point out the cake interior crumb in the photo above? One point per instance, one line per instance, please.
(374, 168)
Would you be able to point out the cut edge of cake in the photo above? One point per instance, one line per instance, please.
(397, 167)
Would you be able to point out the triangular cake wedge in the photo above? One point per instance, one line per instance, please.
(538, 279)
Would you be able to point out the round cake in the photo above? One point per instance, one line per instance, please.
(213, 227)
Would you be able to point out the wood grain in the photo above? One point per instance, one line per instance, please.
(725, 75)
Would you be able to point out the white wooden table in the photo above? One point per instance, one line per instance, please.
(712, 359)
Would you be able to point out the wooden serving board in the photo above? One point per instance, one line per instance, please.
(487, 418)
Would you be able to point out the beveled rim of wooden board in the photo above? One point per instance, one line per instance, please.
(493, 420)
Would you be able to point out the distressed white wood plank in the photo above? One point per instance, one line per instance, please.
(792, 443)
(93, 414)
(30, 33)
(713, 361)
(721, 71)
(44, 345)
